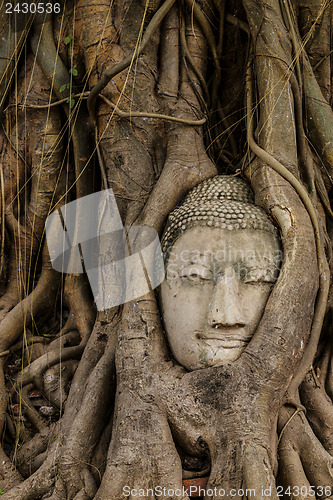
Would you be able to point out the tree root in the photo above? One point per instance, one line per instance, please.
(29, 411)
(28, 455)
(86, 429)
(304, 461)
(319, 411)
(81, 306)
(35, 486)
(11, 477)
(56, 382)
(34, 372)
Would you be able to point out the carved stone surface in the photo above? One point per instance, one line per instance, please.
(222, 201)
(219, 272)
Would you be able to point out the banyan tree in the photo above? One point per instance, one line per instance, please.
(210, 122)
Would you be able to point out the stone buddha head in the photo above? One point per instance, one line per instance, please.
(222, 257)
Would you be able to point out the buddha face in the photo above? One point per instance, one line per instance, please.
(214, 295)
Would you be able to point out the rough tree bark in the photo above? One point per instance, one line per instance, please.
(150, 97)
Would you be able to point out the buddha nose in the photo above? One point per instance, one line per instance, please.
(225, 307)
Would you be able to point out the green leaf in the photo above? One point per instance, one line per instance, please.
(2, 492)
(73, 71)
(63, 87)
(71, 102)
(68, 39)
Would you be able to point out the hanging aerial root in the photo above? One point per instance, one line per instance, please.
(168, 84)
(188, 58)
(44, 47)
(45, 188)
(319, 116)
(65, 466)
(158, 116)
(208, 33)
(187, 162)
(12, 45)
(125, 114)
(324, 281)
(112, 72)
(41, 300)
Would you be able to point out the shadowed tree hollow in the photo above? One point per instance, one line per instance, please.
(151, 98)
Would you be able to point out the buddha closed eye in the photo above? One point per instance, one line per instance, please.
(218, 276)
